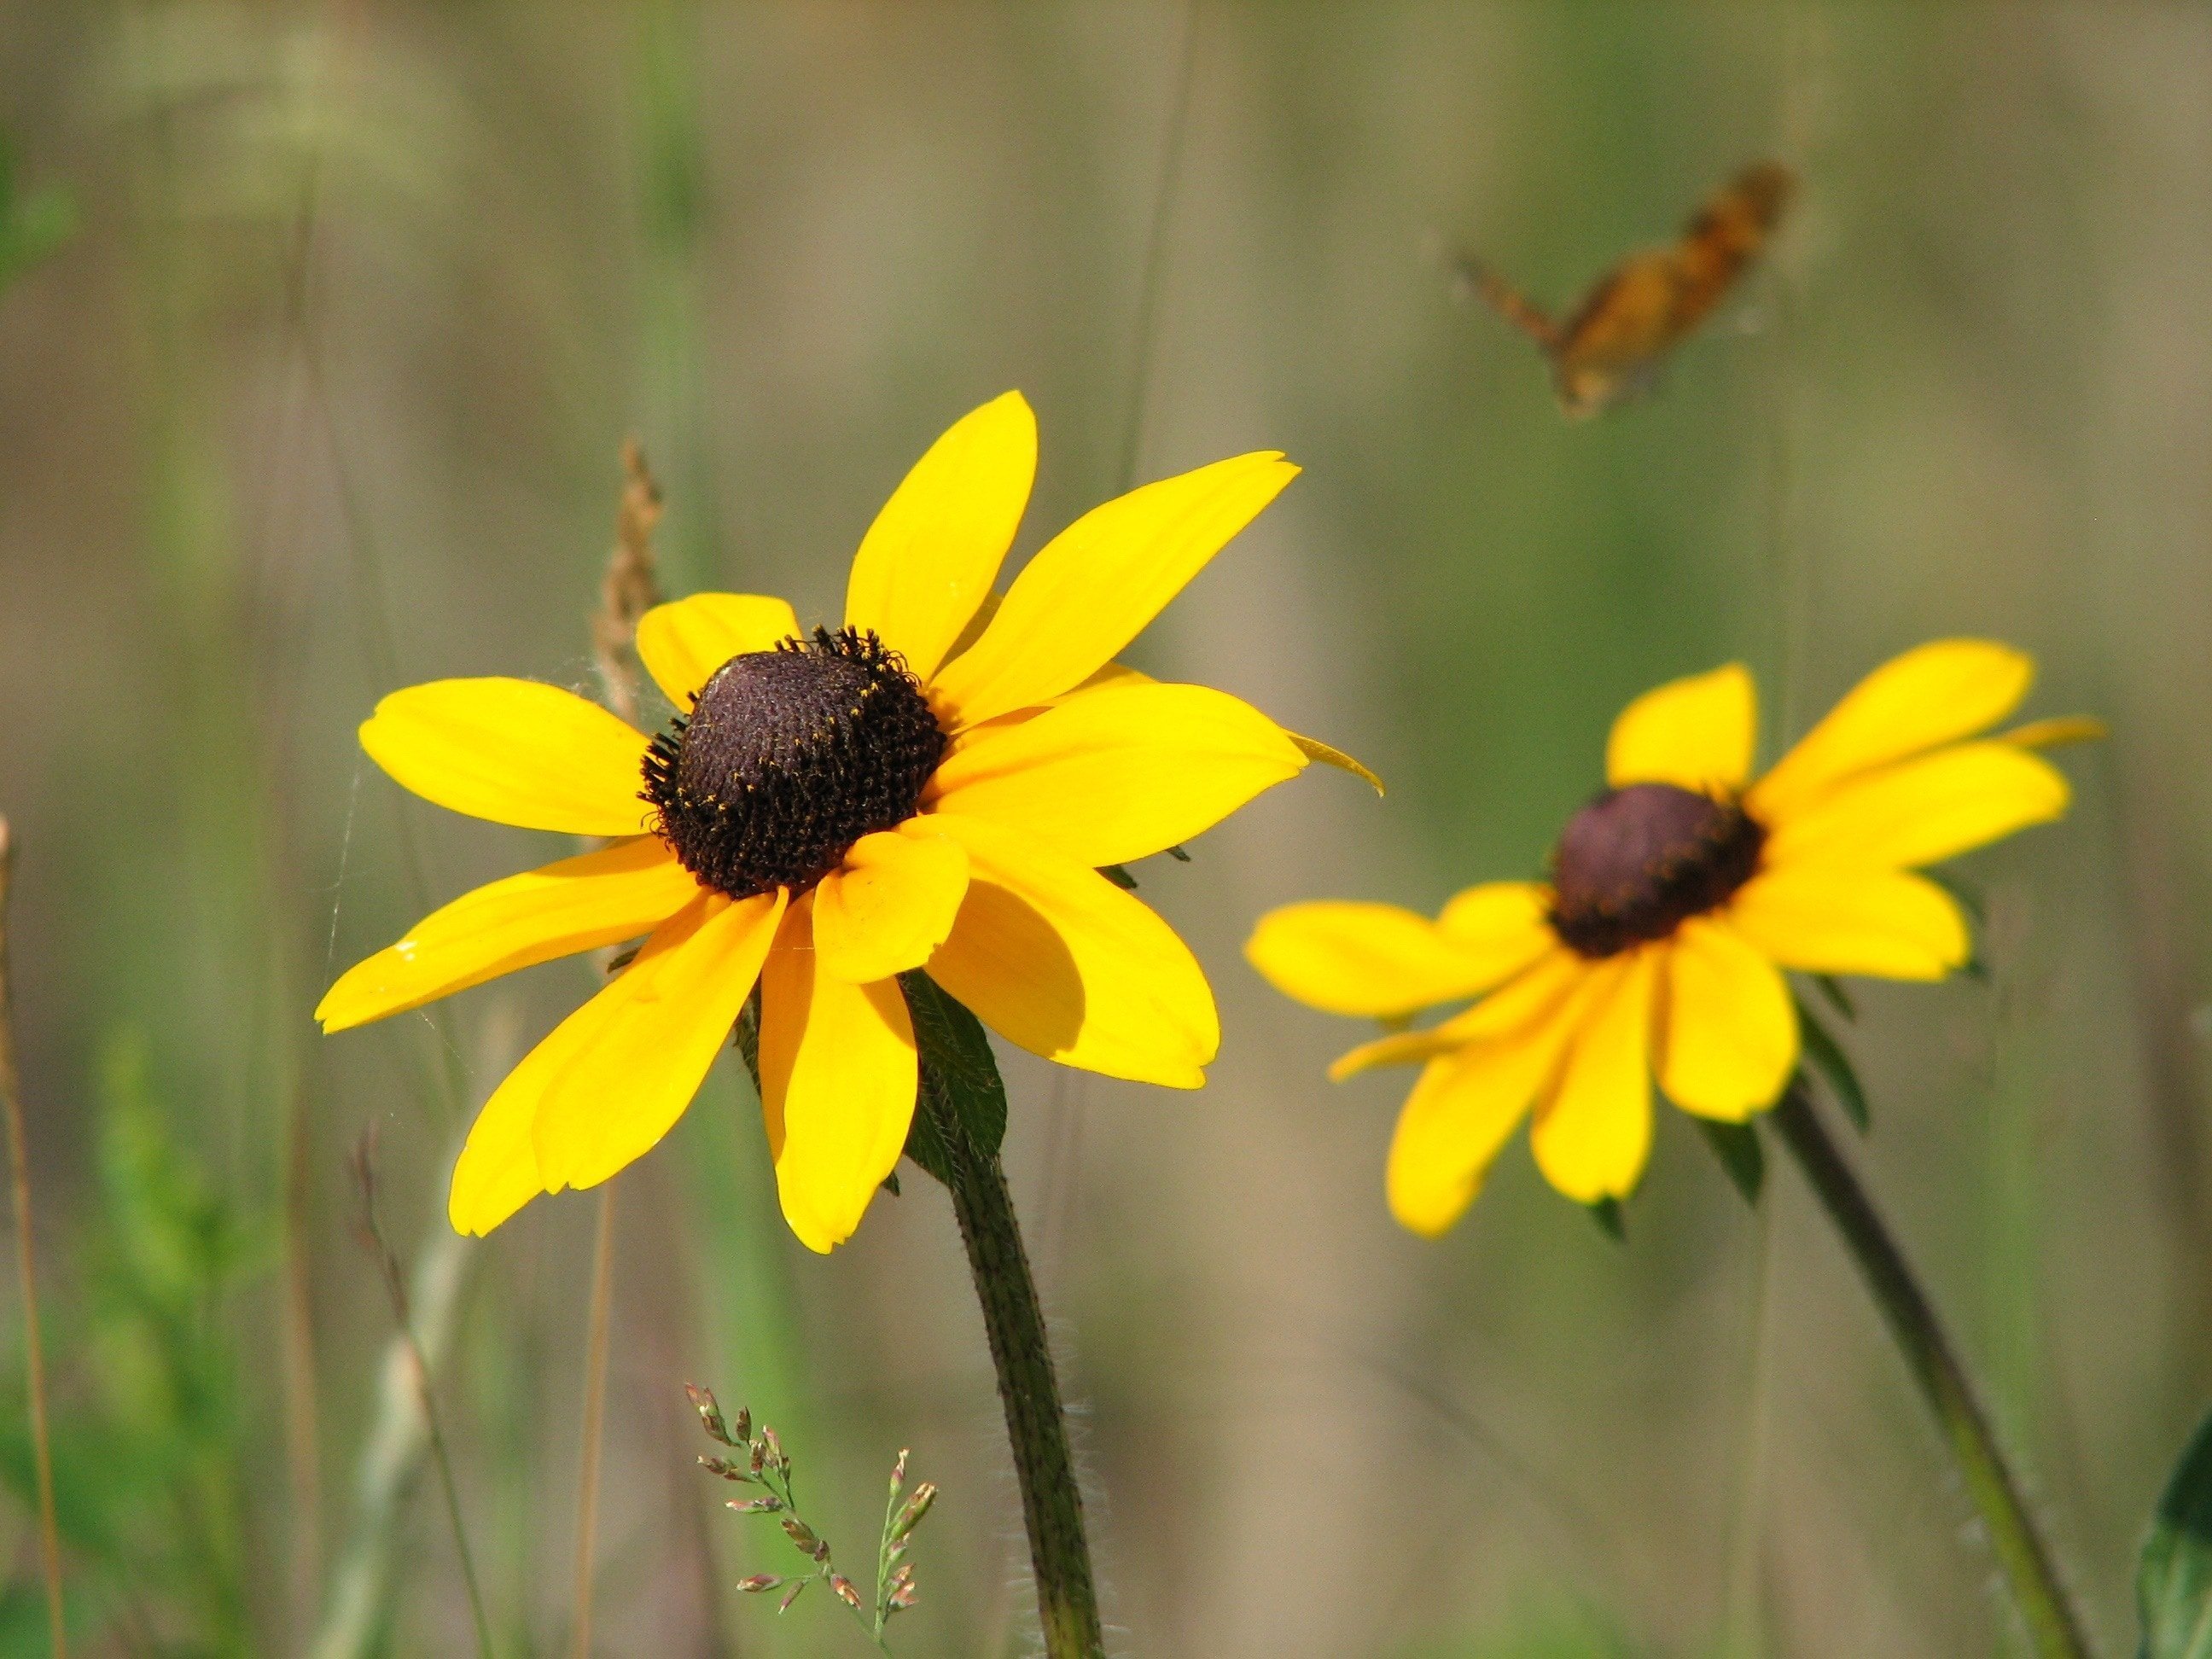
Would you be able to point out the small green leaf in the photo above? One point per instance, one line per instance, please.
(1969, 896)
(1839, 998)
(1178, 855)
(960, 1081)
(1120, 876)
(1827, 1057)
(1606, 1212)
(1736, 1145)
(2173, 1582)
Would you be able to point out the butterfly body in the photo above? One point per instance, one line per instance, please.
(1611, 344)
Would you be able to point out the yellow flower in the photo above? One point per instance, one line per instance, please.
(935, 786)
(1677, 898)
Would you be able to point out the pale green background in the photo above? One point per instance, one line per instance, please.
(325, 399)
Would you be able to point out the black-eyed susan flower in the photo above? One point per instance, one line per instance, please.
(1677, 899)
(934, 786)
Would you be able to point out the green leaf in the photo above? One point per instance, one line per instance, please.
(960, 1082)
(1826, 1056)
(32, 225)
(1839, 998)
(1606, 1212)
(1736, 1145)
(1120, 876)
(2173, 1582)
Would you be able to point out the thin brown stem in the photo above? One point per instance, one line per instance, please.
(34, 1359)
(595, 1404)
(630, 590)
(395, 1288)
(2052, 1623)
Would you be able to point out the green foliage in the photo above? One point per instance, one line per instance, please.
(2173, 1582)
(1826, 1056)
(1610, 1219)
(33, 223)
(960, 1081)
(1736, 1145)
(152, 1441)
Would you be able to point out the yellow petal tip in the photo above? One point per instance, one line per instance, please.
(1314, 749)
(2057, 731)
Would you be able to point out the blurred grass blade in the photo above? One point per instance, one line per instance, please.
(392, 1455)
(1826, 1056)
(2173, 1582)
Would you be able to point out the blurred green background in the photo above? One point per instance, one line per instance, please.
(324, 396)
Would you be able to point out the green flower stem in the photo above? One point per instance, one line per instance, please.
(2051, 1621)
(1037, 1424)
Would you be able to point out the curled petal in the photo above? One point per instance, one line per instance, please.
(1060, 962)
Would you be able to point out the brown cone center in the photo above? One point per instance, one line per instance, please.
(1637, 862)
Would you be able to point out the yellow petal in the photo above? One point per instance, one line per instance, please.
(1091, 589)
(1461, 1112)
(1503, 923)
(1060, 962)
(614, 1077)
(514, 751)
(930, 557)
(1510, 1010)
(555, 910)
(683, 642)
(1314, 749)
(838, 1073)
(1731, 1038)
(1122, 772)
(1696, 733)
(1934, 694)
(1377, 960)
(1920, 811)
(1592, 1136)
(497, 1174)
(1881, 922)
(889, 903)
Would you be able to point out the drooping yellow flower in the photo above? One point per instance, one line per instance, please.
(1677, 898)
(935, 785)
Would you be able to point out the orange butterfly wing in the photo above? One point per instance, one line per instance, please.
(1644, 306)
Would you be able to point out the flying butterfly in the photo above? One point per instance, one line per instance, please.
(1642, 308)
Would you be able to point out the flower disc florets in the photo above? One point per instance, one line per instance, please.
(789, 757)
(1637, 862)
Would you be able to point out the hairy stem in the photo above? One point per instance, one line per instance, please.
(1037, 1424)
(2052, 1623)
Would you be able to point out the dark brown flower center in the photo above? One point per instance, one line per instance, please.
(788, 757)
(1636, 863)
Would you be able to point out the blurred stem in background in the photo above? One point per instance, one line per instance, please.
(630, 590)
(34, 1360)
(750, 1302)
(2051, 1621)
(418, 1373)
